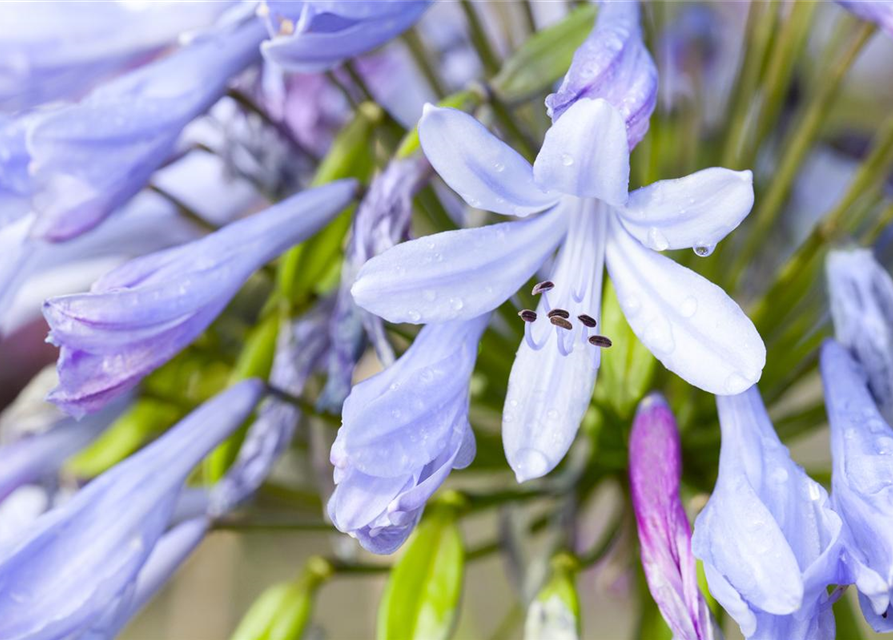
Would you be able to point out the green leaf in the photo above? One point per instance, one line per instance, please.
(421, 600)
(144, 419)
(627, 366)
(351, 156)
(544, 57)
(464, 100)
(846, 619)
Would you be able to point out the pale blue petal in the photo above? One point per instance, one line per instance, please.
(696, 211)
(689, 324)
(585, 153)
(457, 275)
(483, 170)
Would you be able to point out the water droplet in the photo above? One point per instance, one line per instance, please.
(456, 304)
(780, 474)
(429, 295)
(736, 383)
(499, 167)
(529, 463)
(395, 386)
(632, 305)
(397, 414)
(513, 403)
(704, 250)
(657, 240)
(659, 336)
(414, 316)
(689, 307)
(812, 489)
(427, 375)
(552, 414)
(567, 160)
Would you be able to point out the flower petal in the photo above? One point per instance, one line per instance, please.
(695, 211)
(586, 154)
(690, 324)
(477, 165)
(457, 275)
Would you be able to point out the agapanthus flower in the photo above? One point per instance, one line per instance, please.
(144, 312)
(578, 186)
(862, 480)
(880, 12)
(59, 50)
(861, 297)
(769, 540)
(655, 467)
(88, 158)
(320, 34)
(382, 220)
(79, 561)
(403, 431)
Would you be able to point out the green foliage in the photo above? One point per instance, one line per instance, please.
(464, 100)
(544, 57)
(421, 600)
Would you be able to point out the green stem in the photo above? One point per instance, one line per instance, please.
(480, 40)
(505, 119)
(797, 145)
(185, 210)
(358, 80)
(304, 406)
(249, 105)
(422, 58)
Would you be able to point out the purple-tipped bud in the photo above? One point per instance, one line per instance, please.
(613, 64)
(655, 467)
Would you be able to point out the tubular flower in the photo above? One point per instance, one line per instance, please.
(768, 537)
(655, 467)
(861, 480)
(89, 158)
(76, 567)
(319, 34)
(861, 294)
(382, 220)
(52, 51)
(144, 312)
(578, 188)
(403, 431)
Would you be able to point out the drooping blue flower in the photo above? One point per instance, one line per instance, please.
(861, 296)
(144, 312)
(880, 12)
(613, 64)
(861, 480)
(381, 221)
(655, 467)
(78, 562)
(768, 537)
(579, 185)
(87, 159)
(403, 431)
(55, 50)
(320, 34)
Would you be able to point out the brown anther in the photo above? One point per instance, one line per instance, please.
(560, 313)
(600, 341)
(542, 287)
(561, 322)
(589, 321)
(527, 315)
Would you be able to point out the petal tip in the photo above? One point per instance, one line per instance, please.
(529, 464)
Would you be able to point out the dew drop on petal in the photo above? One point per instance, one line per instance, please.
(813, 490)
(689, 307)
(567, 160)
(657, 240)
(456, 304)
(704, 250)
(780, 474)
(659, 336)
(552, 414)
(530, 463)
(429, 295)
(632, 305)
(736, 383)
(499, 167)
(414, 316)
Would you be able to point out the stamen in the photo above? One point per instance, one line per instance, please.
(565, 343)
(561, 322)
(589, 321)
(600, 341)
(542, 287)
(528, 336)
(561, 313)
(527, 315)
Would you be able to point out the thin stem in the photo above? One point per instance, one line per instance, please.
(260, 525)
(344, 90)
(796, 147)
(423, 60)
(303, 405)
(505, 119)
(248, 104)
(529, 18)
(358, 80)
(185, 210)
(480, 40)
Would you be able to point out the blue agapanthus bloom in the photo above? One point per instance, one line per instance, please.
(144, 312)
(319, 34)
(75, 568)
(769, 539)
(578, 186)
(403, 431)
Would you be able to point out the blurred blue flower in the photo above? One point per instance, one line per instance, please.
(655, 467)
(53, 50)
(381, 221)
(879, 12)
(613, 64)
(861, 481)
(144, 312)
(320, 34)
(76, 566)
(403, 431)
(691, 325)
(768, 537)
(88, 158)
